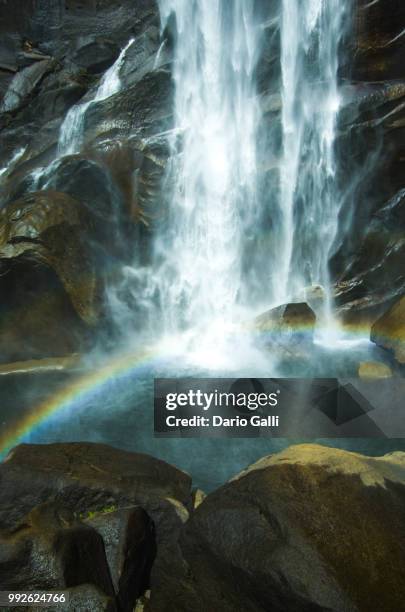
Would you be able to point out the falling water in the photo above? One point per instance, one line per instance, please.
(212, 177)
(14, 159)
(72, 129)
(309, 200)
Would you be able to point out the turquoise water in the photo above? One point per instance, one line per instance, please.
(120, 413)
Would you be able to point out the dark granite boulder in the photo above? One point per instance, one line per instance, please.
(51, 550)
(129, 541)
(109, 513)
(49, 286)
(306, 530)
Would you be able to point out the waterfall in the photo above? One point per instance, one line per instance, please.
(72, 128)
(71, 132)
(14, 159)
(211, 181)
(309, 200)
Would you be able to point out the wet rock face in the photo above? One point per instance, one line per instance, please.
(49, 228)
(23, 84)
(374, 277)
(48, 277)
(367, 265)
(129, 541)
(51, 55)
(378, 40)
(143, 109)
(96, 56)
(389, 330)
(122, 530)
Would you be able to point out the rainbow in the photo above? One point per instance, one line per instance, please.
(72, 393)
(85, 384)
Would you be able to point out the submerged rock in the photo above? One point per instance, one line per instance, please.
(374, 369)
(389, 330)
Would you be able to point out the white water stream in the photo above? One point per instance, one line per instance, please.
(212, 178)
(71, 134)
(212, 183)
(309, 200)
(72, 129)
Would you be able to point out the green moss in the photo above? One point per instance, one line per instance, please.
(93, 513)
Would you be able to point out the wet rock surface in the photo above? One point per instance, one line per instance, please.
(52, 56)
(289, 329)
(88, 514)
(389, 330)
(374, 369)
(119, 530)
(260, 543)
(44, 244)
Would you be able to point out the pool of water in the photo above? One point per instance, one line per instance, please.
(116, 407)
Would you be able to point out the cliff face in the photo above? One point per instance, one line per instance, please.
(369, 263)
(52, 56)
(55, 54)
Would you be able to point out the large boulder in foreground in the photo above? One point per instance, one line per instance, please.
(82, 514)
(389, 330)
(309, 529)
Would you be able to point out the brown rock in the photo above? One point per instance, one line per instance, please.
(389, 330)
(50, 292)
(89, 514)
(311, 528)
(129, 541)
(287, 318)
(374, 369)
(50, 550)
(47, 227)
